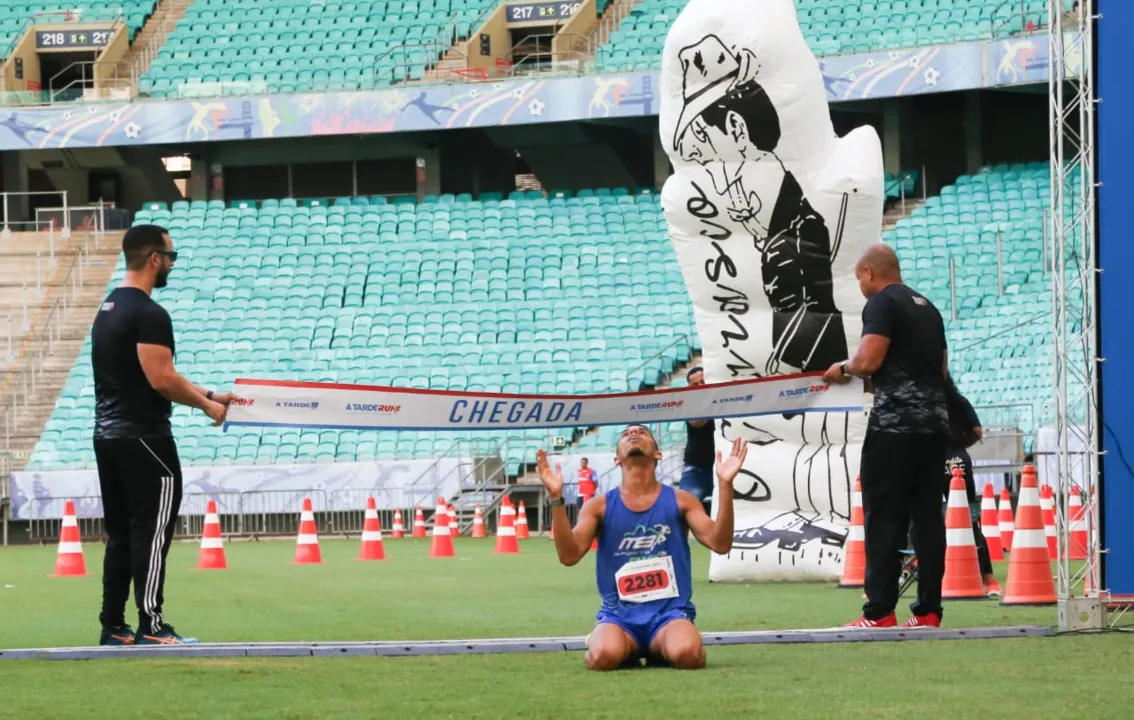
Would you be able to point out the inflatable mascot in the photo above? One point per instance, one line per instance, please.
(768, 211)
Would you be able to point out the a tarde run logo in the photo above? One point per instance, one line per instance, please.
(373, 408)
(298, 404)
(799, 392)
(731, 400)
(664, 405)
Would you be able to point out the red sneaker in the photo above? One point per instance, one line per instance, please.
(863, 622)
(931, 620)
(992, 588)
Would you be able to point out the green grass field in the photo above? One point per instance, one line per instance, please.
(479, 595)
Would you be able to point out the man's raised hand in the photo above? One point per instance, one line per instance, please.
(728, 468)
(552, 479)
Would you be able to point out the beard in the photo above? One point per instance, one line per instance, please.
(162, 279)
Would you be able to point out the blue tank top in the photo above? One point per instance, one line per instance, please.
(629, 536)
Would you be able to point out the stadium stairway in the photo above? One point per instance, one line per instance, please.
(149, 40)
(58, 321)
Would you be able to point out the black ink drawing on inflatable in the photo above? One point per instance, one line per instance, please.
(728, 114)
(729, 126)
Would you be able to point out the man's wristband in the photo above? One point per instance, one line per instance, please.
(209, 395)
(843, 369)
(556, 501)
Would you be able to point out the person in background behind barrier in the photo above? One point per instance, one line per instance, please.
(643, 569)
(139, 472)
(904, 353)
(700, 444)
(588, 482)
(964, 432)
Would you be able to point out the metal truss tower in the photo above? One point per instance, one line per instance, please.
(1073, 258)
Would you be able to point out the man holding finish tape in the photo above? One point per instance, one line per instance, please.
(139, 472)
(903, 352)
(643, 565)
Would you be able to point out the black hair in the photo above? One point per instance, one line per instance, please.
(752, 104)
(693, 371)
(585, 460)
(140, 242)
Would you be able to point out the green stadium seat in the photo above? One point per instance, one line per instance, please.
(391, 305)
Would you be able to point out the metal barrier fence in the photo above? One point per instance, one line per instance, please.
(266, 513)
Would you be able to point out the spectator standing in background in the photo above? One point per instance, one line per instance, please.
(964, 432)
(588, 482)
(700, 451)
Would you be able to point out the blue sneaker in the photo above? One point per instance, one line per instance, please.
(117, 636)
(165, 635)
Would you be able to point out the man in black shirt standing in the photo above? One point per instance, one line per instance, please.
(903, 353)
(964, 432)
(700, 451)
(138, 469)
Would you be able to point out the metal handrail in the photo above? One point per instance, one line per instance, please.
(435, 49)
(996, 24)
(93, 81)
(660, 353)
(532, 62)
(31, 21)
(610, 22)
(23, 382)
(1005, 331)
(146, 55)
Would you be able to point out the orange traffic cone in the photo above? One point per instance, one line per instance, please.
(522, 523)
(454, 524)
(1077, 519)
(371, 548)
(419, 523)
(1047, 509)
(962, 571)
(478, 523)
(854, 552)
(506, 529)
(442, 545)
(1029, 565)
(398, 530)
(1007, 525)
(990, 525)
(211, 556)
(69, 560)
(307, 543)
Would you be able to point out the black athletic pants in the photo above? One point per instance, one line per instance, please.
(141, 496)
(901, 492)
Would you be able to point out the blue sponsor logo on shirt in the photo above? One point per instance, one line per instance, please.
(495, 412)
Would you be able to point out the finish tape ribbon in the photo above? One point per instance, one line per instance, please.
(275, 403)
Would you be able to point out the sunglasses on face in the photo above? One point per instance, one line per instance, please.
(171, 254)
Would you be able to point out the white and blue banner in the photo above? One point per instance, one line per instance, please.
(266, 489)
(323, 405)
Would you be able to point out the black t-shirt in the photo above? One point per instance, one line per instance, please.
(963, 419)
(960, 459)
(909, 387)
(126, 406)
(700, 446)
